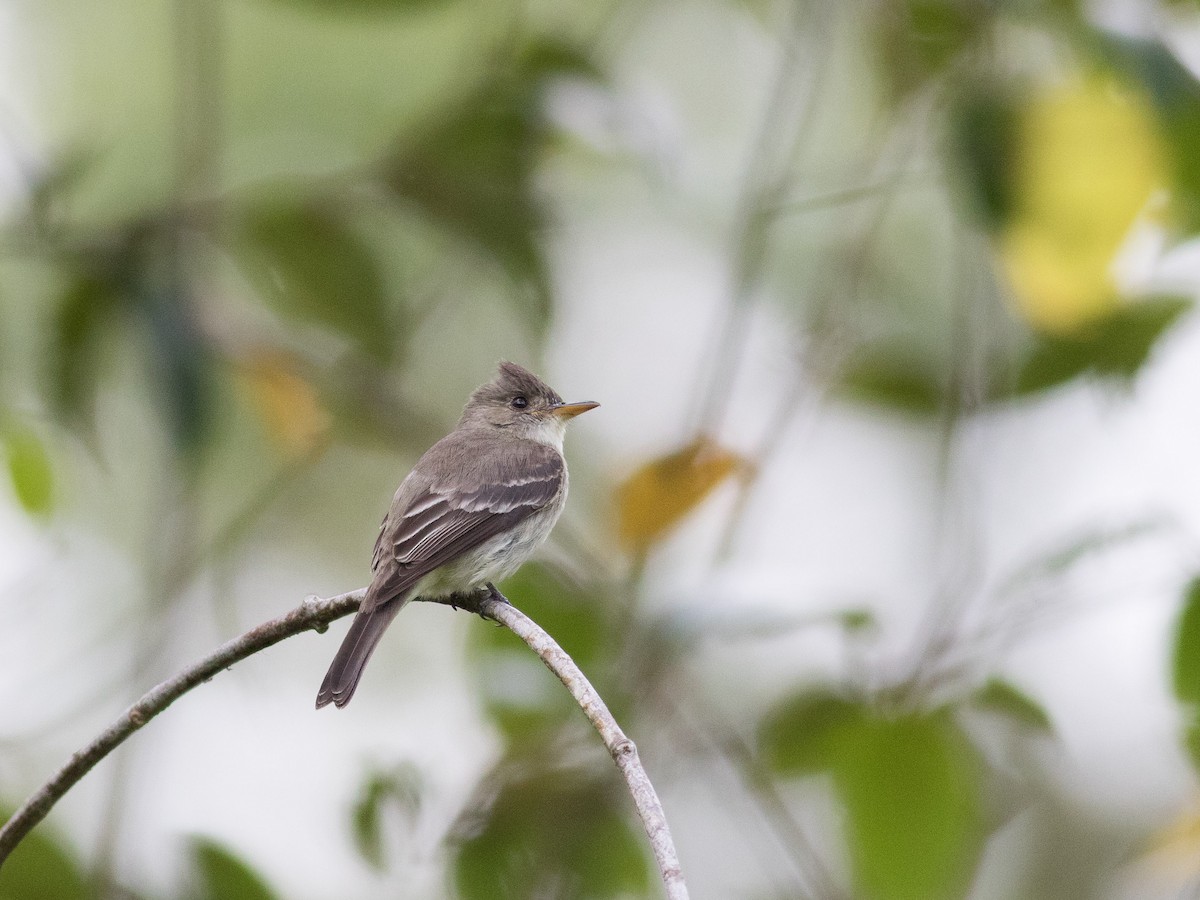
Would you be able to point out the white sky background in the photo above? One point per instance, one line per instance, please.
(848, 514)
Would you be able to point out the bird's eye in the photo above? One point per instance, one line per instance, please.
(519, 403)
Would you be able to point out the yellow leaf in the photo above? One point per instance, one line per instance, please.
(286, 402)
(1174, 851)
(1088, 158)
(663, 491)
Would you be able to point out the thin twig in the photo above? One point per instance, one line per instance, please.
(846, 195)
(312, 615)
(315, 615)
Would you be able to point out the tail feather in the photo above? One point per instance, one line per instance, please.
(347, 668)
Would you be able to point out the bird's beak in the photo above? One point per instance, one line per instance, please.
(571, 410)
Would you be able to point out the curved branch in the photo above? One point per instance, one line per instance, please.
(495, 606)
(313, 614)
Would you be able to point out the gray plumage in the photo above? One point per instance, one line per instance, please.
(470, 512)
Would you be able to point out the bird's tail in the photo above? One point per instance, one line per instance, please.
(358, 645)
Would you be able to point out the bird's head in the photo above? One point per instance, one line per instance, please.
(520, 403)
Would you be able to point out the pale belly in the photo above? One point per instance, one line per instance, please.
(494, 560)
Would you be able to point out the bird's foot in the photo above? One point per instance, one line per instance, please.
(493, 593)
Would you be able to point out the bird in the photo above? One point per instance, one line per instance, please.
(474, 507)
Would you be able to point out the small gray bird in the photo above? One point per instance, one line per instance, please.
(472, 509)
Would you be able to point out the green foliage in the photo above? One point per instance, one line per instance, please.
(219, 874)
(41, 868)
(471, 176)
(896, 379)
(314, 268)
(983, 134)
(28, 468)
(858, 620)
(398, 787)
(919, 39)
(72, 358)
(804, 734)
(364, 6)
(1191, 739)
(1003, 699)
(472, 172)
(51, 189)
(911, 788)
(545, 58)
(1115, 347)
(984, 119)
(1176, 95)
(553, 836)
(1186, 674)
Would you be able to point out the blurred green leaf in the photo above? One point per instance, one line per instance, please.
(984, 134)
(553, 836)
(1001, 697)
(910, 785)
(219, 874)
(72, 356)
(911, 788)
(29, 468)
(58, 181)
(521, 697)
(364, 6)
(473, 172)
(918, 39)
(803, 734)
(548, 58)
(858, 620)
(1187, 647)
(894, 378)
(40, 868)
(474, 175)
(315, 268)
(1191, 740)
(399, 787)
(1115, 347)
(1176, 96)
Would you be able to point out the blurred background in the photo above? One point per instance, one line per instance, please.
(881, 546)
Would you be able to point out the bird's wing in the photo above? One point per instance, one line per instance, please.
(444, 518)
